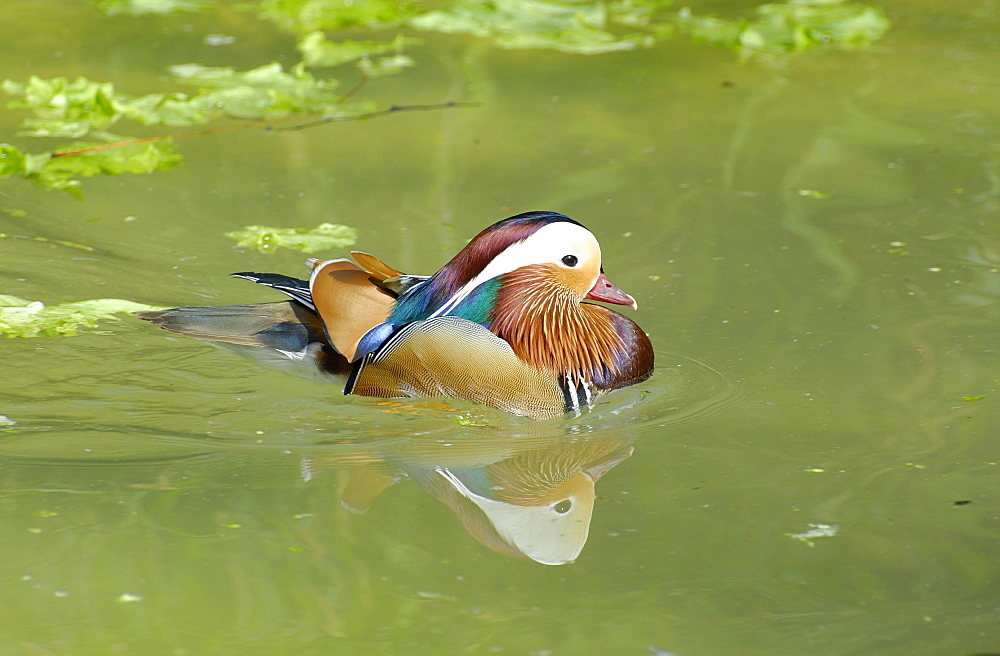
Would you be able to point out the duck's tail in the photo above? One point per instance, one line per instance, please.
(285, 329)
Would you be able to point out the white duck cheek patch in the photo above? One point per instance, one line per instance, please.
(547, 245)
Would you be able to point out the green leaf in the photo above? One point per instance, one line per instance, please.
(62, 172)
(311, 15)
(972, 399)
(318, 51)
(322, 237)
(142, 7)
(76, 109)
(85, 108)
(175, 109)
(815, 531)
(11, 160)
(58, 99)
(23, 318)
(814, 193)
(380, 66)
(40, 127)
(793, 26)
(636, 12)
(137, 158)
(265, 92)
(566, 26)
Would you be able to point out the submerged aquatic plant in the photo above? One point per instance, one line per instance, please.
(269, 94)
(23, 318)
(267, 239)
(791, 27)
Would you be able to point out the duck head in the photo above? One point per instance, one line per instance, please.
(557, 256)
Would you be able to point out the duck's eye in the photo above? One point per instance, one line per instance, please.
(563, 506)
(570, 260)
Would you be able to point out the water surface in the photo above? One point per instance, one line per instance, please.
(810, 470)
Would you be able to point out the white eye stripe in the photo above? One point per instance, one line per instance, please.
(550, 243)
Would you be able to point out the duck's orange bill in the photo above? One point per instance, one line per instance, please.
(604, 290)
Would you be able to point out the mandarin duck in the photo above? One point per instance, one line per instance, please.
(530, 502)
(503, 323)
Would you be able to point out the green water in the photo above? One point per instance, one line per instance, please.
(819, 360)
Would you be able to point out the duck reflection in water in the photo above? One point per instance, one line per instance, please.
(534, 502)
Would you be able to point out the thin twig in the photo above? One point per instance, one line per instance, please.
(382, 112)
(357, 87)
